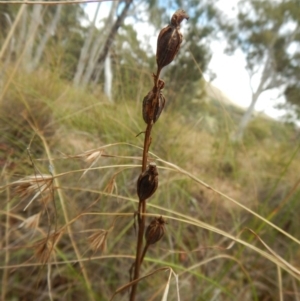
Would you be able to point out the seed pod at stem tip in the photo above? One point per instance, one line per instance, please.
(178, 17)
(169, 40)
(147, 182)
(155, 231)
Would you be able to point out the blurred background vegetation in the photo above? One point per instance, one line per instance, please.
(70, 97)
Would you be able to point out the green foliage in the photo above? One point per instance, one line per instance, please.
(269, 31)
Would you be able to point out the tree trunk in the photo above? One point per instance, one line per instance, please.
(109, 41)
(51, 28)
(108, 77)
(83, 60)
(97, 48)
(36, 18)
(263, 86)
(238, 136)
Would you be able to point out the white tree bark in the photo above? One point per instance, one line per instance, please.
(98, 46)
(108, 78)
(36, 19)
(267, 81)
(84, 54)
(247, 116)
(109, 41)
(51, 28)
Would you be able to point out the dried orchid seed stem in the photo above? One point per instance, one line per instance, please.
(168, 44)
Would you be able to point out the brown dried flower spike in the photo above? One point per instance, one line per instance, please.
(147, 182)
(169, 40)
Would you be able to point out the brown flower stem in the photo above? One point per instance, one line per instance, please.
(142, 207)
(147, 141)
(144, 252)
(141, 223)
(156, 77)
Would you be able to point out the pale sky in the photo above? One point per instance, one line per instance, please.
(231, 75)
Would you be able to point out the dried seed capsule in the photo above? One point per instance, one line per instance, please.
(159, 107)
(155, 231)
(147, 182)
(148, 106)
(169, 40)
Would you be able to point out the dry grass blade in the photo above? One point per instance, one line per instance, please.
(205, 261)
(182, 171)
(111, 186)
(128, 285)
(280, 283)
(271, 257)
(166, 291)
(279, 258)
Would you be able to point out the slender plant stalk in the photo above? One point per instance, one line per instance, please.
(147, 143)
(141, 216)
(141, 229)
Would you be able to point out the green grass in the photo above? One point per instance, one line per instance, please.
(60, 123)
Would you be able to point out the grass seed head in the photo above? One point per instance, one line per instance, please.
(35, 186)
(32, 222)
(98, 240)
(45, 248)
(91, 157)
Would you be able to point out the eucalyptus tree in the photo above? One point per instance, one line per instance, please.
(268, 33)
(29, 29)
